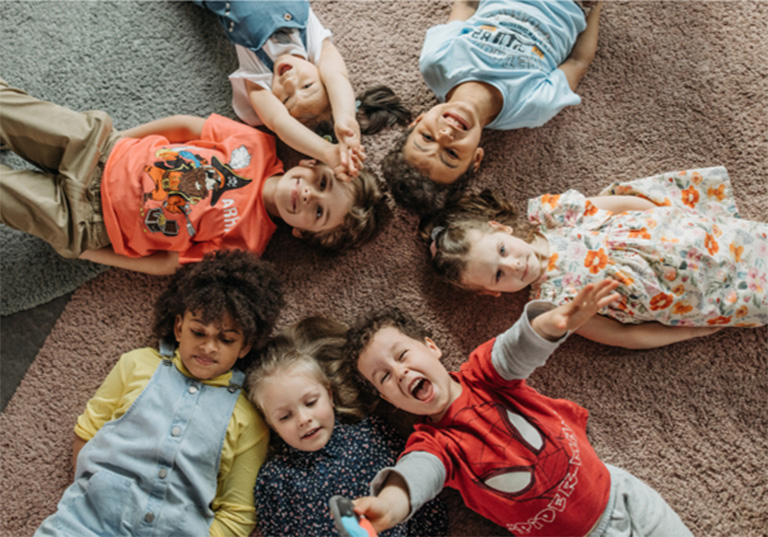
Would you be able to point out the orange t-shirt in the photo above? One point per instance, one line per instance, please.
(193, 197)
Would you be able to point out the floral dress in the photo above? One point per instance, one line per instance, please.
(692, 261)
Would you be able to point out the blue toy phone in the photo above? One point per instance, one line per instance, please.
(349, 523)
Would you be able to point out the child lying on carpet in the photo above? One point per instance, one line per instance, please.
(298, 388)
(506, 65)
(166, 192)
(292, 79)
(686, 262)
(518, 458)
(169, 444)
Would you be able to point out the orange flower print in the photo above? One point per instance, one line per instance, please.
(552, 262)
(736, 252)
(716, 231)
(719, 320)
(718, 192)
(590, 209)
(681, 307)
(623, 278)
(679, 290)
(661, 301)
(711, 244)
(650, 222)
(732, 297)
(596, 261)
(549, 199)
(641, 233)
(742, 311)
(690, 197)
(696, 178)
(665, 203)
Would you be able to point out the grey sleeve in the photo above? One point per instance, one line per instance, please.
(424, 474)
(520, 350)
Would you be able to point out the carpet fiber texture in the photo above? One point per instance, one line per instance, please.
(674, 85)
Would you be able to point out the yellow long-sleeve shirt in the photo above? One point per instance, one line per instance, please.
(243, 452)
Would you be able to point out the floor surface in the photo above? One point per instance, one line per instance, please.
(21, 337)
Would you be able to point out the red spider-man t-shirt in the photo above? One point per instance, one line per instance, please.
(517, 457)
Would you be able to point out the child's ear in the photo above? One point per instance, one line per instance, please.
(477, 158)
(245, 349)
(432, 346)
(296, 232)
(177, 327)
(307, 162)
(498, 226)
(417, 120)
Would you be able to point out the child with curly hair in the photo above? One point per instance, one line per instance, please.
(502, 64)
(293, 80)
(686, 263)
(166, 192)
(301, 387)
(169, 444)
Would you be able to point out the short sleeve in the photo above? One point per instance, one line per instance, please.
(569, 209)
(316, 34)
(540, 97)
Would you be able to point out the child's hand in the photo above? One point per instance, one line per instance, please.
(351, 151)
(376, 511)
(572, 315)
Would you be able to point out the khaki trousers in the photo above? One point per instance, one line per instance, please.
(61, 203)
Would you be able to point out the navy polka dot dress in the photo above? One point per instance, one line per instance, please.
(293, 487)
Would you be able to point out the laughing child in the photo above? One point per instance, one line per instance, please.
(518, 458)
(326, 445)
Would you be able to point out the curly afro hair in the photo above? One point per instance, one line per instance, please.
(227, 282)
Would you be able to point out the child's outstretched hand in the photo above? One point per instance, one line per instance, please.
(377, 511)
(572, 315)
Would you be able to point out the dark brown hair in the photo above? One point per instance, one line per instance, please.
(227, 282)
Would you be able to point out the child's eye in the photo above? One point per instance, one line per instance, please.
(502, 250)
(284, 417)
(318, 213)
(499, 274)
(197, 333)
(426, 137)
(402, 356)
(453, 154)
(285, 101)
(323, 183)
(384, 377)
(227, 341)
(308, 85)
(311, 403)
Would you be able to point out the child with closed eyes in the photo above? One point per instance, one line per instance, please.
(686, 262)
(293, 80)
(169, 444)
(301, 388)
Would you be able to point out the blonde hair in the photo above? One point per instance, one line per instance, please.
(447, 233)
(314, 345)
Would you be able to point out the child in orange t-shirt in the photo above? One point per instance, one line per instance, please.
(166, 192)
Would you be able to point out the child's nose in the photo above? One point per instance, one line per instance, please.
(445, 134)
(308, 194)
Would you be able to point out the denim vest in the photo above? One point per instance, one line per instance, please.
(153, 471)
(251, 23)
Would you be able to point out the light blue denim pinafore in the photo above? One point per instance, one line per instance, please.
(250, 23)
(152, 471)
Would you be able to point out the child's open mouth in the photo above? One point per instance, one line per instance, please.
(421, 389)
(311, 433)
(455, 121)
(295, 196)
(284, 68)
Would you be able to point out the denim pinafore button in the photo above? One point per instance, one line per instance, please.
(250, 24)
(153, 471)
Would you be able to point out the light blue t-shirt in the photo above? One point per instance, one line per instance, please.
(515, 46)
